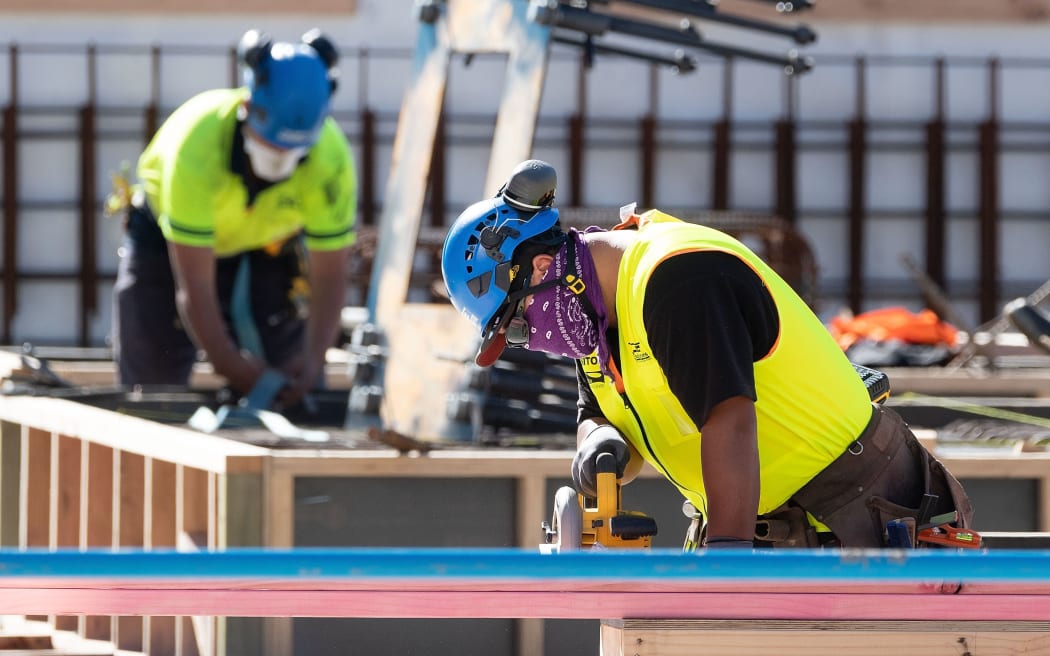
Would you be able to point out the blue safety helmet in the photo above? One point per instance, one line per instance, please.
(476, 262)
(290, 85)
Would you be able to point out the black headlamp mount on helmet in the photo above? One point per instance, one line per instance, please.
(492, 240)
(531, 186)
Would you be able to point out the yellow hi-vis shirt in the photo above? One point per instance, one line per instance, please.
(199, 201)
(811, 402)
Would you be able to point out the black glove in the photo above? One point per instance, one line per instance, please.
(604, 439)
(728, 543)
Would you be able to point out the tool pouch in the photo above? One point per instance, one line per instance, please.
(786, 528)
(142, 229)
(880, 477)
(937, 483)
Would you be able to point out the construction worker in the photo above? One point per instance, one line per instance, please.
(693, 355)
(239, 229)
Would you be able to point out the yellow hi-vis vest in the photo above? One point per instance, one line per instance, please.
(811, 402)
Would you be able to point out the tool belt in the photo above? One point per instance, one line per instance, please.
(884, 474)
(786, 527)
(142, 228)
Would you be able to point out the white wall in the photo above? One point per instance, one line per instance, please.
(615, 87)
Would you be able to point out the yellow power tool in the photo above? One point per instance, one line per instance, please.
(585, 523)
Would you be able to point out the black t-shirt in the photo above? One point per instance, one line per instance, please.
(709, 318)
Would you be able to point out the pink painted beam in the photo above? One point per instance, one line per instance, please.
(485, 600)
(485, 583)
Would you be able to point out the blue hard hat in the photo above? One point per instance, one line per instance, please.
(290, 87)
(476, 262)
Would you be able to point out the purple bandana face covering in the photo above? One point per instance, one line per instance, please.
(557, 321)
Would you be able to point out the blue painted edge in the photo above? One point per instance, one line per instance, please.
(850, 566)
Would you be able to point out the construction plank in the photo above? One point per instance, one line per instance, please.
(611, 602)
(819, 585)
(162, 534)
(738, 638)
(35, 493)
(132, 434)
(129, 527)
(194, 509)
(163, 504)
(65, 504)
(10, 482)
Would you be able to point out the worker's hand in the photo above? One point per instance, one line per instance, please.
(290, 395)
(266, 390)
(245, 373)
(604, 439)
(303, 377)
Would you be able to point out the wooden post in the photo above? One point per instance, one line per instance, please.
(10, 481)
(96, 525)
(65, 504)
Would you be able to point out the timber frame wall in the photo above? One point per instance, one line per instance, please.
(77, 477)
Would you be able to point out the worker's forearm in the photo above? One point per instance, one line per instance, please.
(729, 457)
(322, 326)
(209, 332)
(327, 298)
(198, 305)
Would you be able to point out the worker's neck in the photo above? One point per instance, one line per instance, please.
(607, 250)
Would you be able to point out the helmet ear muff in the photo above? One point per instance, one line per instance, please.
(252, 50)
(328, 53)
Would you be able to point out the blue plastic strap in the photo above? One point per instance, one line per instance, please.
(266, 388)
(241, 310)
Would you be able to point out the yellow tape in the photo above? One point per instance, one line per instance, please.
(984, 411)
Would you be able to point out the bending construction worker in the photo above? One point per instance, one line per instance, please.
(693, 355)
(239, 230)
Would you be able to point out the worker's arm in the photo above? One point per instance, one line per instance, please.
(328, 271)
(729, 460)
(710, 318)
(198, 305)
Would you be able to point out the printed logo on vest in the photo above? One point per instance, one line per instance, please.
(637, 352)
(592, 369)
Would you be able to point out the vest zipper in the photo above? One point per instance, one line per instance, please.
(648, 446)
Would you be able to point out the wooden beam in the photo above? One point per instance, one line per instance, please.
(10, 482)
(259, 598)
(781, 585)
(132, 434)
(35, 490)
(800, 638)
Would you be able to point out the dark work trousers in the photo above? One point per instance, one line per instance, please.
(150, 344)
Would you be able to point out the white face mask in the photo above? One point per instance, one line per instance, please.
(269, 163)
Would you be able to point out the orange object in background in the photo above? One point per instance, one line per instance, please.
(893, 323)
